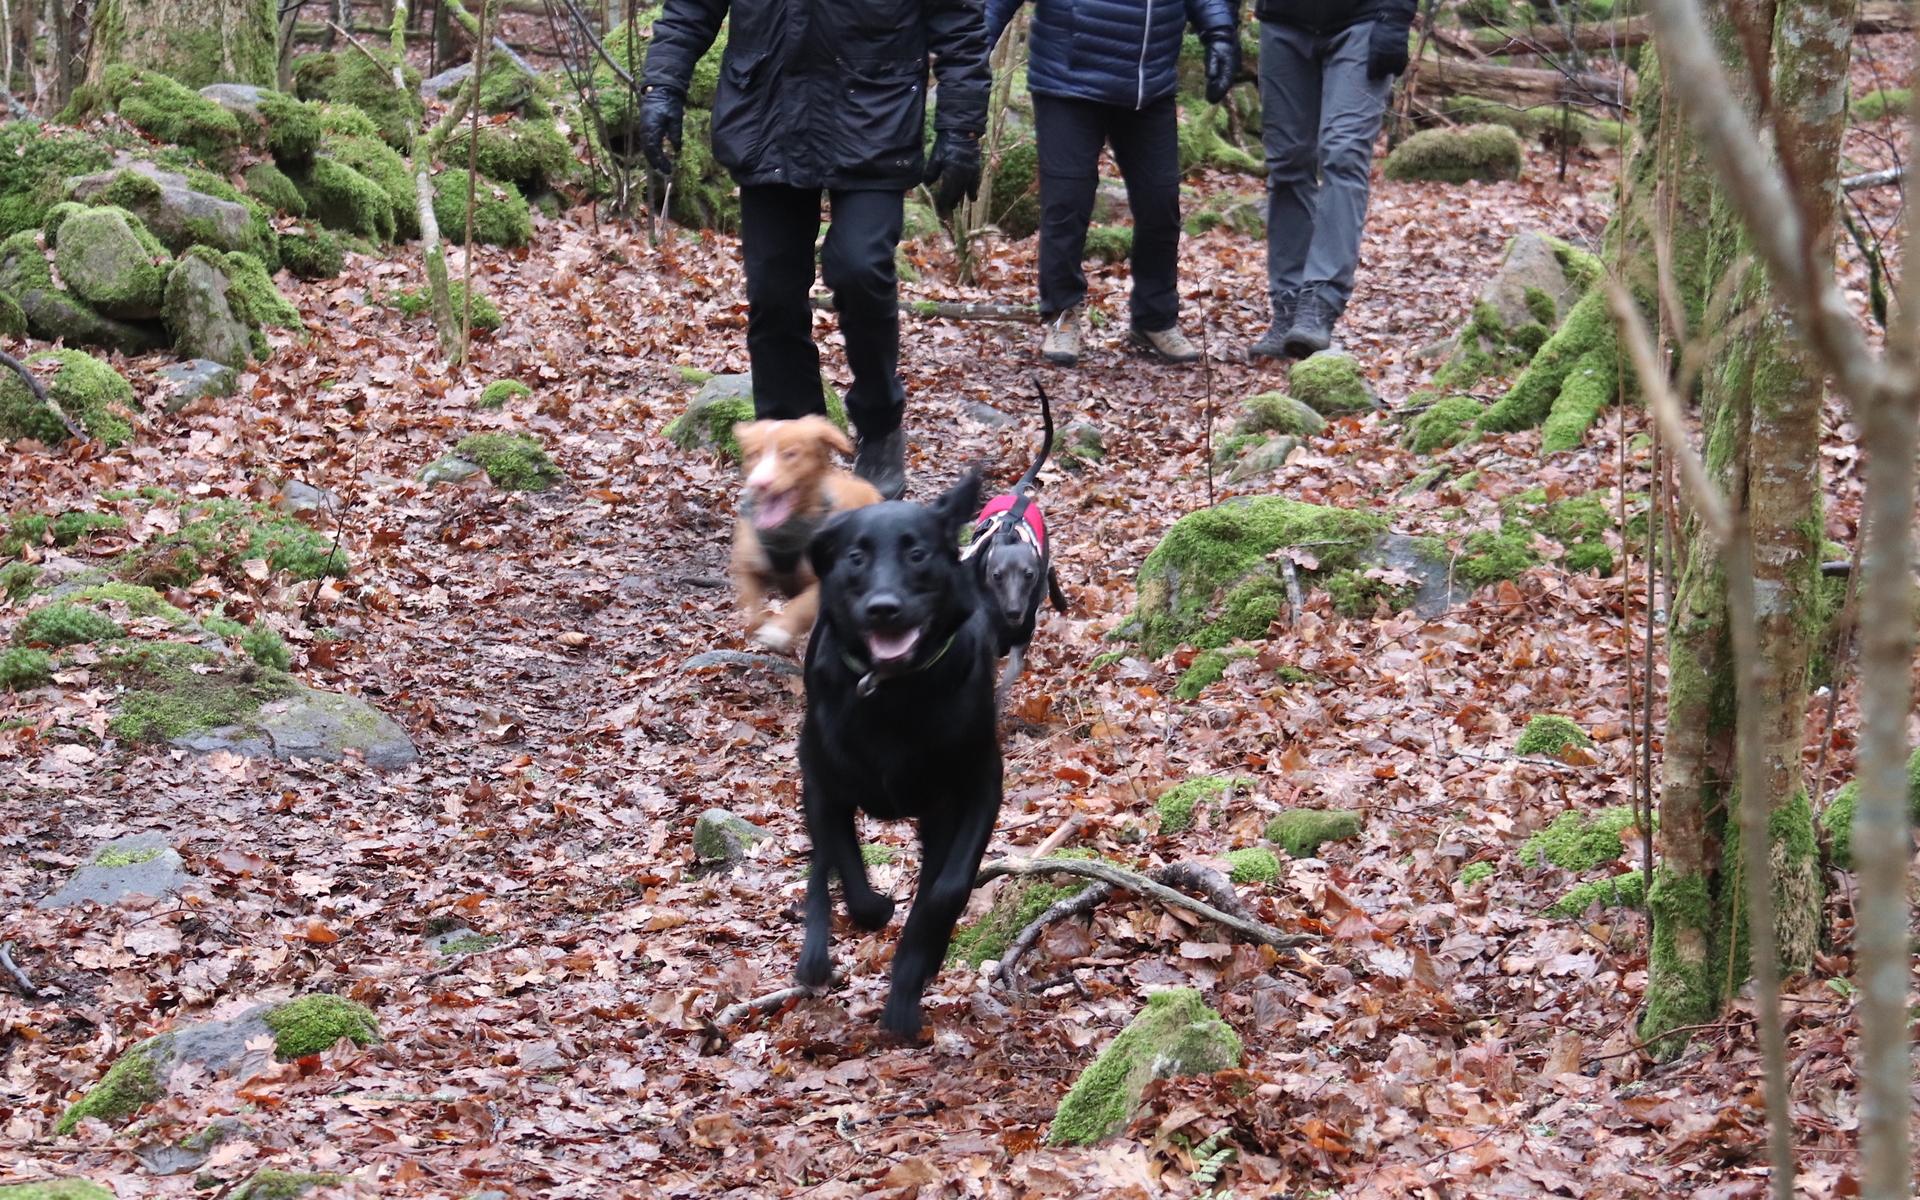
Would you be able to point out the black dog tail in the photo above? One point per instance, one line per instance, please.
(1032, 476)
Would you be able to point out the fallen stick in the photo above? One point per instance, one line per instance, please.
(1077, 905)
(983, 897)
(21, 983)
(1873, 179)
(954, 310)
(1120, 877)
(732, 1014)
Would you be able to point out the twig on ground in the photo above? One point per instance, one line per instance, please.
(1106, 872)
(953, 310)
(1530, 759)
(21, 983)
(1077, 905)
(983, 897)
(465, 960)
(733, 1014)
(1874, 179)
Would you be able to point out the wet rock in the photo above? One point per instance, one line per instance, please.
(141, 864)
(322, 726)
(195, 379)
(741, 660)
(298, 497)
(1402, 553)
(719, 836)
(449, 468)
(177, 214)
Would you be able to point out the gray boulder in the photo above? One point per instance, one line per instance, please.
(1082, 443)
(740, 659)
(322, 726)
(177, 214)
(141, 864)
(240, 99)
(201, 317)
(196, 379)
(113, 267)
(1262, 458)
(56, 315)
(298, 497)
(721, 837)
(449, 468)
(1531, 266)
(436, 86)
(1402, 553)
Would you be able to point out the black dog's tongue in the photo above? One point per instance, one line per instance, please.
(891, 649)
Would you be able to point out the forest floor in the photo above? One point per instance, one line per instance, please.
(1439, 1038)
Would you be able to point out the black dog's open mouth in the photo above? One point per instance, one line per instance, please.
(890, 648)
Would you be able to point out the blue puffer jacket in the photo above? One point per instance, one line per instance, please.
(1112, 51)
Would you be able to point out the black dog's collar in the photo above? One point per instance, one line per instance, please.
(870, 676)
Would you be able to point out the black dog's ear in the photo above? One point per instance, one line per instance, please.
(957, 505)
(823, 548)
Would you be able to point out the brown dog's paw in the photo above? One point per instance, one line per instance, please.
(774, 638)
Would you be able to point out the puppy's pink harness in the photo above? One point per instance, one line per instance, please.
(1033, 526)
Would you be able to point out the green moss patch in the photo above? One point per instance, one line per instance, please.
(64, 623)
(1207, 669)
(1476, 153)
(259, 302)
(500, 391)
(167, 111)
(1475, 872)
(1110, 243)
(95, 395)
(365, 81)
(1360, 593)
(266, 647)
(515, 462)
(1331, 384)
(1255, 864)
(342, 198)
(219, 536)
(1301, 831)
(532, 155)
(1019, 903)
(1211, 580)
(1578, 841)
(167, 698)
(125, 858)
(417, 302)
(1277, 412)
(17, 579)
(271, 1184)
(1628, 890)
(138, 601)
(1550, 735)
(1448, 421)
(1872, 107)
(312, 1024)
(500, 213)
(1836, 819)
(1179, 805)
(129, 1085)
(109, 260)
(271, 186)
(22, 670)
(313, 254)
(1176, 1035)
(1579, 360)
(55, 1189)
(878, 854)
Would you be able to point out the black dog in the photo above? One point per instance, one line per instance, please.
(900, 724)
(1012, 561)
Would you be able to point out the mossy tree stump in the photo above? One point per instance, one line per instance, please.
(197, 42)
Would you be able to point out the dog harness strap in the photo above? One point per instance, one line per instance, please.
(786, 543)
(1032, 527)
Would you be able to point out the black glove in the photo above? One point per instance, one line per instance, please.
(953, 169)
(662, 111)
(1223, 61)
(1386, 51)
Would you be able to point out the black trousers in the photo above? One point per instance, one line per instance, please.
(1146, 144)
(778, 228)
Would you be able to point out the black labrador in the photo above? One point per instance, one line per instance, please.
(1013, 560)
(900, 725)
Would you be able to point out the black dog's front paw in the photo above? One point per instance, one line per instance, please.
(816, 965)
(902, 1018)
(870, 912)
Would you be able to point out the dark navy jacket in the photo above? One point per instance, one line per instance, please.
(1124, 52)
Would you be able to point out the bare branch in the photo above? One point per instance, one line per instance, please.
(1874, 179)
(21, 983)
(733, 1014)
(1106, 872)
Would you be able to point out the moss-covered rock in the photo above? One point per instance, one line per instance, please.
(1446, 422)
(94, 394)
(500, 391)
(724, 401)
(217, 537)
(1244, 213)
(272, 1184)
(133, 1082)
(271, 186)
(22, 669)
(1331, 384)
(515, 462)
(1551, 735)
(1176, 1035)
(185, 208)
(1019, 903)
(1361, 592)
(500, 213)
(340, 197)
(1578, 841)
(1110, 243)
(313, 254)
(256, 299)
(532, 155)
(265, 646)
(1550, 124)
(313, 1024)
(1255, 864)
(1014, 199)
(207, 314)
(174, 690)
(164, 109)
(1836, 820)
(1302, 831)
(1277, 412)
(1208, 668)
(720, 836)
(1628, 890)
(1578, 362)
(1180, 804)
(1211, 580)
(109, 260)
(36, 160)
(364, 80)
(380, 165)
(1477, 153)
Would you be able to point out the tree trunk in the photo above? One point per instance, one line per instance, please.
(1760, 409)
(196, 41)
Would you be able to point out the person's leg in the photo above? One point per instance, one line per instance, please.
(1146, 144)
(1068, 138)
(778, 226)
(857, 264)
(1290, 99)
(1352, 107)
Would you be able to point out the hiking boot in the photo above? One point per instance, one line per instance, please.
(1168, 345)
(1061, 347)
(1273, 343)
(881, 460)
(1312, 329)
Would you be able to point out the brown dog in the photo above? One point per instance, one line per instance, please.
(792, 488)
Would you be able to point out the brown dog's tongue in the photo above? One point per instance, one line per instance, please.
(773, 510)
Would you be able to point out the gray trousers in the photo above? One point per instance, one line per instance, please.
(1320, 116)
